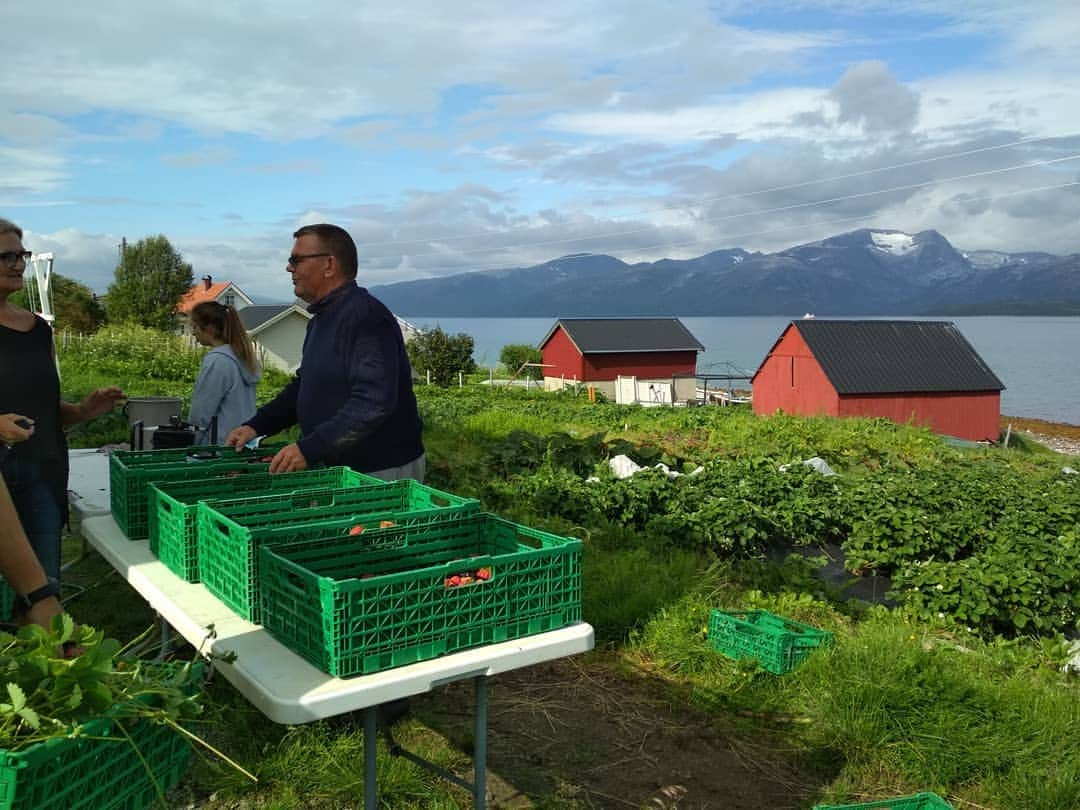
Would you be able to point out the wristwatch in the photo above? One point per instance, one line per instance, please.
(28, 600)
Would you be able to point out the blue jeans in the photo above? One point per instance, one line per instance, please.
(40, 516)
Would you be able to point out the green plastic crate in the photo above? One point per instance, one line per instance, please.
(90, 773)
(7, 600)
(779, 644)
(920, 801)
(350, 608)
(230, 533)
(132, 471)
(174, 507)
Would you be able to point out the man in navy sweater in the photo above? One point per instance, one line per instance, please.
(352, 395)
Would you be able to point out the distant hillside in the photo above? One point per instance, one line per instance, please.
(864, 272)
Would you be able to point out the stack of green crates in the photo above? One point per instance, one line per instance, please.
(174, 506)
(779, 644)
(351, 607)
(920, 801)
(131, 472)
(230, 532)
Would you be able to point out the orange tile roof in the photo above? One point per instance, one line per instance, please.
(198, 293)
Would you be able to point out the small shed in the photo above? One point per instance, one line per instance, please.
(646, 360)
(920, 371)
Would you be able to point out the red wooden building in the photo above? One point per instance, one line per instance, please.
(922, 371)
(600, 351)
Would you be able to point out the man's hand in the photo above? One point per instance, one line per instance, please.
(288, 459)
(100, 401)
(240, 436)
(11, 431)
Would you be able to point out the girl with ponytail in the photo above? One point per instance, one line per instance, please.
(225, 387)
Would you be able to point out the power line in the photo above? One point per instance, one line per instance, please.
(764, 211)
(772, 189)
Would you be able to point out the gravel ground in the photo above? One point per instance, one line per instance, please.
(1059, 443)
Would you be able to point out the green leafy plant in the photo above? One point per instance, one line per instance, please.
(47, 695)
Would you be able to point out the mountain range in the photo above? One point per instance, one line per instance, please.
(863, 272)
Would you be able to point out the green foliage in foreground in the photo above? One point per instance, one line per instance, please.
(47, 695)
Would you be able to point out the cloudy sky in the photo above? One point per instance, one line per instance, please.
(450, 137)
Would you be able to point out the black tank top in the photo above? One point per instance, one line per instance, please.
(30, 385)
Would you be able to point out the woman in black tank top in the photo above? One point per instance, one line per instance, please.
(35, 469)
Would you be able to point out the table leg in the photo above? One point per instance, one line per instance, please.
(371, 801)
(480, 744)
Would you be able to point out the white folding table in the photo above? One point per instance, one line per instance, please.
(88, 483)
(286, 688)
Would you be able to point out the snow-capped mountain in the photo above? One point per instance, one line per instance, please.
(864, 272)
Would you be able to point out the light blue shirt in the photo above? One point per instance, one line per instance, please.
(225, 388)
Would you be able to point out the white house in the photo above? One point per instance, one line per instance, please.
(278, 332)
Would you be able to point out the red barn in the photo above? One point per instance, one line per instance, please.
(627, 359)
(924, 371)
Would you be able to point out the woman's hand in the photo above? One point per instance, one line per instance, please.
(11, 431)
(100, 402)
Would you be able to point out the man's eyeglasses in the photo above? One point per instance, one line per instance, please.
(11, 257)
(296, 258)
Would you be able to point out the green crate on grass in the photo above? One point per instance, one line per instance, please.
(174, 507)
(132, 471)
(230, 533)
(779, 644)
(920, 801)
(89, 772)
(350, 608)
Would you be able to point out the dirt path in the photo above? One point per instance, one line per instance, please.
(579, 734)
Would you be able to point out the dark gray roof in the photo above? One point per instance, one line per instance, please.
(884, 357)
(619, 335)
(259, 314)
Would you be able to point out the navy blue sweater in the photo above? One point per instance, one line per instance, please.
(352, 395)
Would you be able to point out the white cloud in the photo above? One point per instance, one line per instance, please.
(29, 170)
(492, 134)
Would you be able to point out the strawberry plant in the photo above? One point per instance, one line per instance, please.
(46, 694)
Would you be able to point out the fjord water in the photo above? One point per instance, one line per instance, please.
(1037, 358)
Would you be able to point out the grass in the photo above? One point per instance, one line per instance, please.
(896, 706)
